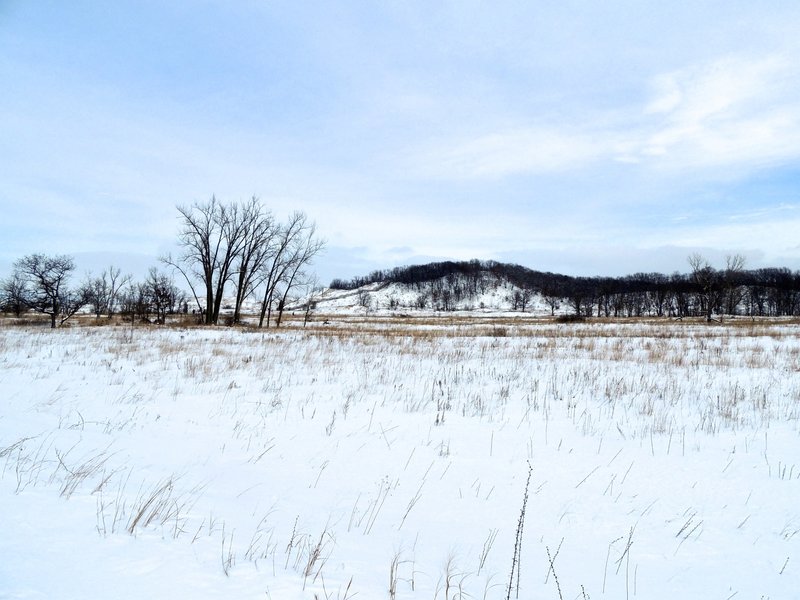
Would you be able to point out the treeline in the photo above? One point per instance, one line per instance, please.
(704, 291)
(42, 283)
(236, 246)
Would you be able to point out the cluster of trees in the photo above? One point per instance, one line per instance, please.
(244, 245)
(41, 283)
(422, 274)
(704, 291)
(226, 248)
(440, 285)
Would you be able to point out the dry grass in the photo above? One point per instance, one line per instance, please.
(631, 380)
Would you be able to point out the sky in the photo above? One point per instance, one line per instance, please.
(584, 138)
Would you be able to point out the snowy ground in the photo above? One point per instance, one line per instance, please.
(390, 459)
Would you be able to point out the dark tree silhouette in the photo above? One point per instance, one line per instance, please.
(46, 280)
(212, 236)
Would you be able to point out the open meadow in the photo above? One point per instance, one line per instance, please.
(433, 458)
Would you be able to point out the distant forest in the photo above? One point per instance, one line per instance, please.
(703, 292)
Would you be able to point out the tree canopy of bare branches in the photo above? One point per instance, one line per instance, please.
(243, 245)
(258, 240)
(45, 289)
(103, 291)
(211, 237)
(294, 248)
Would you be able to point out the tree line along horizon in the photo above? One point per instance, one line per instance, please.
(243, 245)
(704, 291)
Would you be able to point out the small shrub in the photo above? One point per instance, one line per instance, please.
(570, 319)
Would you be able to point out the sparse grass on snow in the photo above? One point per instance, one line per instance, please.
(388, 458)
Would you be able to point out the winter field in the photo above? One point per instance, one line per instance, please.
(389, 458)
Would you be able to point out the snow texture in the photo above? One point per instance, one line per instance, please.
(389, 459)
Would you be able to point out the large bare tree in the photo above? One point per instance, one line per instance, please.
(212, 238)
(242, 244)
(258, 232)
(293, 248)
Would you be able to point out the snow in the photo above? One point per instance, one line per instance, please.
(306, 462)
(390, 298)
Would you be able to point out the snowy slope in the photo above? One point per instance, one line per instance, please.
(390, 297)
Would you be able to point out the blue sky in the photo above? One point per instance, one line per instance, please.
(579, 137)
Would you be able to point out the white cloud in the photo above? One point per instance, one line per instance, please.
(525, 150)
(405, 125)
(731, 113)
(666, 94)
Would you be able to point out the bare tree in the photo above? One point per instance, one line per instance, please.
(579, 294)
(734, 290)
(14, 294)
(155, 297)
(103, 290)
(364, 300)
(212, 237)
(303, 251)
(552, 298)
(522, 298)
(46, 277)
(312, 294)
(294, 246)
(130, 298)
(258, 231)
(707, 281)
(241, 243)
(162, 294)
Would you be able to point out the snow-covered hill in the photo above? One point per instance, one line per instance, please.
(433, 296)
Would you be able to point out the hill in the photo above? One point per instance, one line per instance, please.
(442, 286)
(489, 285)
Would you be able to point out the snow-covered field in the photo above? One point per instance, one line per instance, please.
(390, 459)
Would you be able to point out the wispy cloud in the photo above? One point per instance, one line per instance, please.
(526, 150)
(406, 129)
(732, 112)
